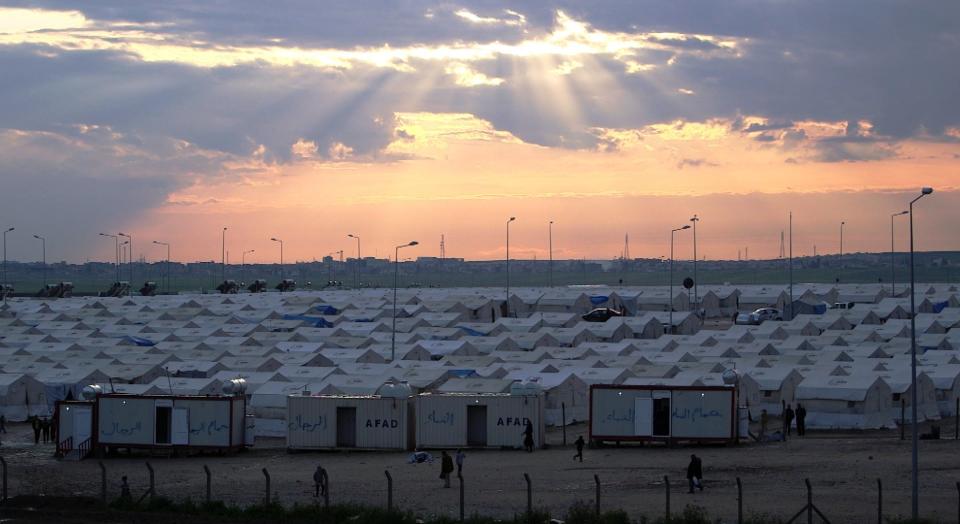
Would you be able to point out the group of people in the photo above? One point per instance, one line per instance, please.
(789, 416)
(800, 415)
(43, 428)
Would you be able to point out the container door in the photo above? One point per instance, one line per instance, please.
(643, 417)
(82, 425)
(163, 421)
(477, 426)
(661, 413)
(346, 427)
(181, 427)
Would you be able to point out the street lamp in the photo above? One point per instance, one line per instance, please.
(167, 286)
(915, 459)
(670, 298)
(243, 264)
(840, 261)
(116, 251)
(43, 243)
(551, 254)
(281, 258)
(508, 264)
(696, 296)
(5, 262)
(130, 240)
(358, 257)
(893, 261)
(223, 255)
(396, 275)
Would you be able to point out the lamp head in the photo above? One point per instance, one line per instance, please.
(686, 227)
(274, 239)
(926, 191)
(351, 235)
(38, 237)
(512, 219)
(904, 212)
(413, 243)
(9, 230)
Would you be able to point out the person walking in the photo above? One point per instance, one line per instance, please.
(124, 489)
(788, 416)
(695, 473)
(319, 482)
(3, 423)
(35, 423)
(801, 420)
(528, 437)
(579, 443)
(45, 429)
(446, 468)
(459, 459)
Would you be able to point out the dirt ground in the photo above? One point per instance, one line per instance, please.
(843, 469)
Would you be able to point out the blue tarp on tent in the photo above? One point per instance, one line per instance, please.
(938, 306)
(316, 321)
(326, 309)
(462, 373)
(472, 332)
(143, 342)
(819, 309)
(596, 300)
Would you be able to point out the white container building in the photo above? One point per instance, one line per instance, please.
(346, 422)
(455, 420)
(663, 413)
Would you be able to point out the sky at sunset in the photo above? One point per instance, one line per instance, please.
(398, 121)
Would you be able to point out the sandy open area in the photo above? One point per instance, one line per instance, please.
(843, 470)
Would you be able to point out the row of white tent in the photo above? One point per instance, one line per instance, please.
(849, 367)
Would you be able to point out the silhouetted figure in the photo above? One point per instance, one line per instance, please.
(319, 482)
(801, 420)
(35, 423)
(45, 429)
(695, 473)
(528, 437)
(446, 468)
(579, 443)
(3, 424)
(124, 489)
(788, 416)
(764, 420)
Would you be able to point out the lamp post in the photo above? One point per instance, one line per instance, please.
(790, 265)
(551, 254)
(5, 262)
(130, 260)
(223, 255)
(243, 265)
(281, 258)
(696, 282)
(358, 258)
(43, 243)
(396, 276)
(915, 459)
(893, 260)
(167, 264)
(840, 261)
(508, 264)
(116, 251)
(670, 298)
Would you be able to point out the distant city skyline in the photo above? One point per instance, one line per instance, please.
(408, 121)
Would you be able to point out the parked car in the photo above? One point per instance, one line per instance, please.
(602, 314)
(842, 305)
(759, 316)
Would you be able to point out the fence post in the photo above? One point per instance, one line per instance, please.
(389, 490)
(266, 475)
(596, 478)
(153, 491)
(326, 494)
(739, 501)
(3, 463)
(879, 502)
(206, 471)
(903, 418)
(563, 421)
(529, 495)
(103, 482)
(666, 483)
(809, 501)
(460, 476)
(956, 420)
(958, 501)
